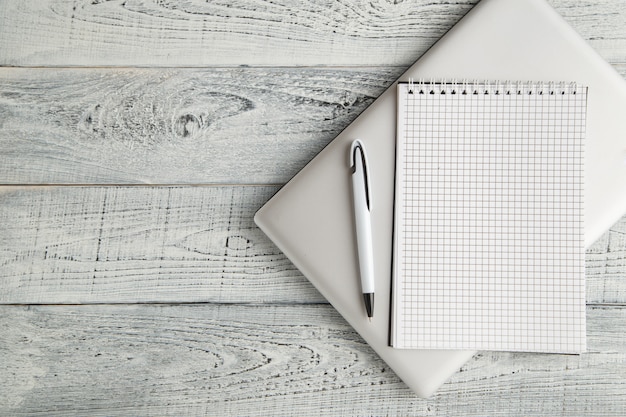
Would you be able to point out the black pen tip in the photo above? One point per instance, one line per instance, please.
(369, 304)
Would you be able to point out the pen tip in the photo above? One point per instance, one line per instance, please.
(370, 319)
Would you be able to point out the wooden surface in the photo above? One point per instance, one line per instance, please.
(137, 139)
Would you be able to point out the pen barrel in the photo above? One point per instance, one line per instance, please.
(363, 227)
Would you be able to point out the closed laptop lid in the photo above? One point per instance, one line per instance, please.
(310, 219)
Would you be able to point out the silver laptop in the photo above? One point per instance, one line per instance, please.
(310, 218)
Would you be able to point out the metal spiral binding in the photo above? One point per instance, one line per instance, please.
(481, 87)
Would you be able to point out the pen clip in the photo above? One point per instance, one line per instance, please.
(357, 146)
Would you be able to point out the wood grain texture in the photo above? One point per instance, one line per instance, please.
(199, 33)
(175, 126)
(141, 244)
(606, 258)
(272, 360)
(170, 126)
(312, 32)
(177, 244)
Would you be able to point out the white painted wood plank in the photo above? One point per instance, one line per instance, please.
(166, 126)
(141, 244)
(606, 259)
(177, 244)
(199, 33)
(175, 126)
(273, 360)
(314, 32)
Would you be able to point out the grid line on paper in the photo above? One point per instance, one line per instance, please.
(489, 217)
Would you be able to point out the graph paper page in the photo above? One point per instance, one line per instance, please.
(489, 234)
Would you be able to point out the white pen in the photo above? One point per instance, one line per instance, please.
(362, 206)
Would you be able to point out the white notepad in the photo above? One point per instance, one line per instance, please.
(489, 231)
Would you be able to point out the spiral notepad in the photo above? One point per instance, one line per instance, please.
(488, 232)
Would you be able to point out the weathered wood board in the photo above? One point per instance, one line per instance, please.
(128, 244)
(277, 360)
